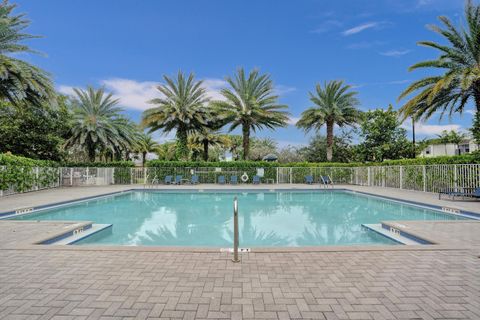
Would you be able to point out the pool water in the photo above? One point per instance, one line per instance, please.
(281, 218)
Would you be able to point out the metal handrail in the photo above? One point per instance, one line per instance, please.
(235, 231)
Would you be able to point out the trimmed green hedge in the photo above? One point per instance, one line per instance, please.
(7, 159)
(113, 164)
(472, 158)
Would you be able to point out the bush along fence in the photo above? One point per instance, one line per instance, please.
(427, 178)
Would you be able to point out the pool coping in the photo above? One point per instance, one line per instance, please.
(427, 245)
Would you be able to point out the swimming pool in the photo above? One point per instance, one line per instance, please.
(266, 218)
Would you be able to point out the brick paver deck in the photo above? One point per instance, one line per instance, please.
(55, 282)
(59, 284)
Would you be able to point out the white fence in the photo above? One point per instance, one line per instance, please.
(430, 178)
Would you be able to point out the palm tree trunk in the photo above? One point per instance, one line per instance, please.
(205, 150)
(329, 140)
(144, 158)
(91, 152)
(246, 141)
(182, 141)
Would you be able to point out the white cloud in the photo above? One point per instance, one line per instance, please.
(395, 53)
(360, 28)
(430, 129)
(67, 90)
(327, 26)
(136, 94)
(293, 120)
(283, 90)
(470, 111)
(132, 94)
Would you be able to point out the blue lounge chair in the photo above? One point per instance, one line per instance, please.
(466, 192)
(168, 179)
(233, 179)
(256, 180)
(221, 179)
(194, 179)
(178, 179)
(308, 179)
(326, 180)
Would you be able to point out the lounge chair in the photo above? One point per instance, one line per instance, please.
(194, 179)
(256, 180)
(178, 179)
(466, 192)
(326, 180)
(168, 179)
(308, 179)
(233, 179)
(221, 179)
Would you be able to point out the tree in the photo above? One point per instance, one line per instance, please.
(145, 144)
(250, 103)
(475, 130)
(262, 147)
(317, 147)
(181, 108)
(206, 138)
(167, 151)
(290, 154)
(20, 82)
(36, 132)
(334, 105)
(459, 83)
(383, 137)
(97, 122)
(450, 137)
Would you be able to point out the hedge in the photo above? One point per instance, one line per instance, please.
(472, 158)
(113, 164)
(7, 159)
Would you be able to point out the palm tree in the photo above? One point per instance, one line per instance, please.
(97, 123)
(145, 144)
(250, 103)
(334, 105)
(458, 60)
(180, 108)
(19, 80)
(206, 138)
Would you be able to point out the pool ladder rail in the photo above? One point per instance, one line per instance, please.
(235, 231)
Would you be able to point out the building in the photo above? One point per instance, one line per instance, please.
(449, 149)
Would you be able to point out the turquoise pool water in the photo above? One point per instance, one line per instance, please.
(266, 218)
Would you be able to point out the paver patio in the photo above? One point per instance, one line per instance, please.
(55, 282)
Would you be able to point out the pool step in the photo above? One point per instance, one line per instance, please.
(75, 237)
(395, 235)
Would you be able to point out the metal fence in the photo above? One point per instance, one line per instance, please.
(430, 178)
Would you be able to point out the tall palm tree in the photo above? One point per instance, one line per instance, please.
(145, 144)
(97, 121)
(250, 103)
(181, 108)
(459, 61)
(335, 104)
(19, 80)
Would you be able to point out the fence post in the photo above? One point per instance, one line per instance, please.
(131, 175)
(277, 175)
(401, 177)
(455, 183)
(113, 176)
(87, 180)
(424, 170)
(368, 176)
(71, 177)
(145, 175)
(291, 175)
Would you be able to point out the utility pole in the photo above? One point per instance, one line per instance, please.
(414, 151)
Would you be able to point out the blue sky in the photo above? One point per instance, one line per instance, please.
(128, 45)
